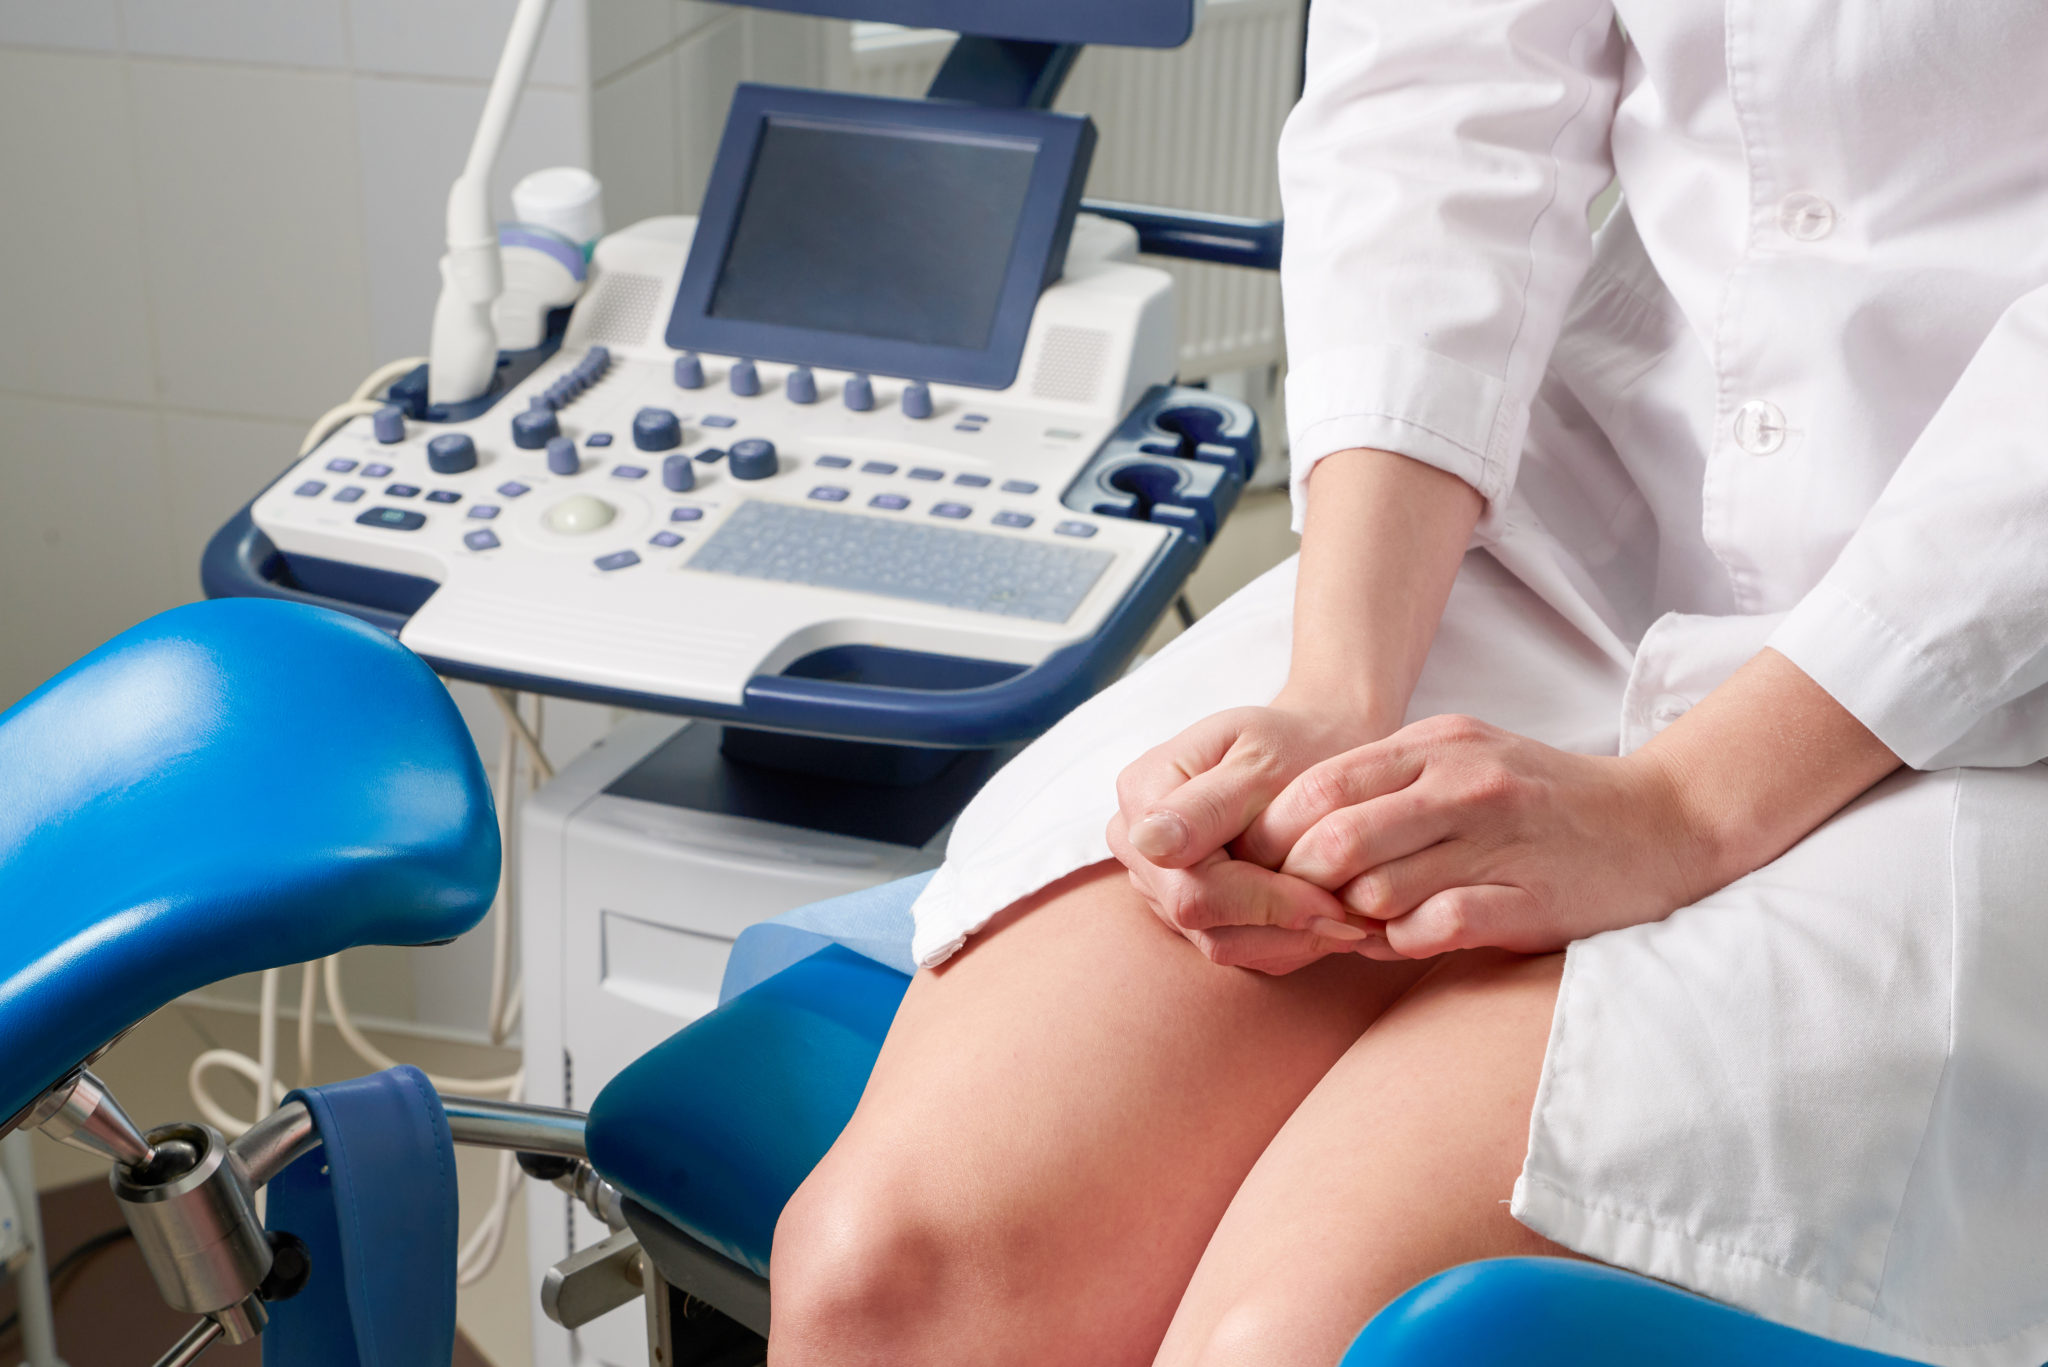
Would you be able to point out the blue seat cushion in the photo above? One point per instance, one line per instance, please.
(1555, 1312)
(228, 787)
(714, 1129)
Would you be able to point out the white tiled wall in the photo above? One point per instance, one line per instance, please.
(219, 215)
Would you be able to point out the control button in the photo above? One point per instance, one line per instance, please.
(801, 386)
(664, 539)
(512, 488)
(689, 371)
(349, 494)
(617, 560)
(597, 360)
(711, 455)
(877, 467)
(895, 503)
(444, 496)
(955, 510)
(679, 474)
(753, 458)
(1010, 519)
(598, 439)
(1019, 486)
(578, 514)
(562, 457)
(966, 427)
(744, 378)
(451, 453)
(917, 400)
(629, 472)
(1805, 217)
(480, 540)
(402, 490)
(1760, 427)
(534, 428)
(686, 514)
(974, 417)
(833, 462)
(483, 512)
(926, 473)
(312, 488)
(341, 465)
(859, 393)
(388, 425)
(376, 469)
(716, 420)
(829, 493)
(657, 429)
(971, 481)
(393, 519)
(1083, 529)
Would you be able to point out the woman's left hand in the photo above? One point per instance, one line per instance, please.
(1453, 834)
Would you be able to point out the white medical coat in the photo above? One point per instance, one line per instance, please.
(1795, 394)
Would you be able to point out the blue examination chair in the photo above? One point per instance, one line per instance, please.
(179, 807)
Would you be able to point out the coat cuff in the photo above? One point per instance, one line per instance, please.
(1900, 691)
(1417, 403)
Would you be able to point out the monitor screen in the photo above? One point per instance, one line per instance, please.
(881, 232)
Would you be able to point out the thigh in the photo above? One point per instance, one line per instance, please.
(1398, 1165)
(1055, 1124)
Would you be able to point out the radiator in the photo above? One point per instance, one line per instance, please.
(1191, 128)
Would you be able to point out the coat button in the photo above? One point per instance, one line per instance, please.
(1759, 427)
(1805, 217)
(1668, 708)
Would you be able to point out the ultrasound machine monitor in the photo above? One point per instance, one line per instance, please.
(878, 235)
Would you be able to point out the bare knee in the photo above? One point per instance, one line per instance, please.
(1275, 1325)
(855, 1270)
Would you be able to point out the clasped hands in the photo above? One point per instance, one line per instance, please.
(1273, 836)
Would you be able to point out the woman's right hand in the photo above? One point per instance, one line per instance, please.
(1181, 804)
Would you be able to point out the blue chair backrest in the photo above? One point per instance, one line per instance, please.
(228, 787)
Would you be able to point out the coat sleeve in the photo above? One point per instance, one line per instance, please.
(1435, 177)
(1932, 625)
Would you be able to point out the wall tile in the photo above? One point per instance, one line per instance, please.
(414, 137)
(254, 237)
(708, 66)
(274, 32)
(85, 548)
(623, 32)
(633, 142)
(73, 312)
(691, 15)
(213, 467)
(462, 39)
(89, 24)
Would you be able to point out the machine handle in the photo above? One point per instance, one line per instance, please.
(1226, 240)
(241, 562)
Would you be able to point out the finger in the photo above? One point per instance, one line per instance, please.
(1469, 918)
(1346, 780)
(1353, 840)
(1173, 762)
(1234, 893)
(1266, 949)
(1211, 808)
(1399, 886)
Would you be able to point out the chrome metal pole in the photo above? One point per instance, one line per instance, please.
(197, 1340)
(509, 1125)
(38, 1322)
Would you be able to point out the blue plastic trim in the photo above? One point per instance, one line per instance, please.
(241, 562)
(1120, 23)
(1003, 73)
(409, 391)
(1066, 144)
(1228, 241)
(547, 242)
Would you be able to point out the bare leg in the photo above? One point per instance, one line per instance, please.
(1396, 1167)
(1055, 1125)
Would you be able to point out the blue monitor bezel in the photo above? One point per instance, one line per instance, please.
(1120, 23)
(1065, 144)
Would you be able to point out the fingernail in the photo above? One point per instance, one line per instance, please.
(1336, 930)
(1160, 835)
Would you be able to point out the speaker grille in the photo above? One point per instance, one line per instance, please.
(1070, 364)
(624, 308)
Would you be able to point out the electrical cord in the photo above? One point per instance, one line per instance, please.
(359, 404)
(68, 1268)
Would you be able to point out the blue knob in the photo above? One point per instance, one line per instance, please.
(562, 457)
(534, 428)
(860, 393)
(389, 424)
(451, 453)
(689, 371)
(917, 400)
(753, 458)
(657, 429)
(802, 385)
(745, 379)
(596, 362)
(679, 474)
